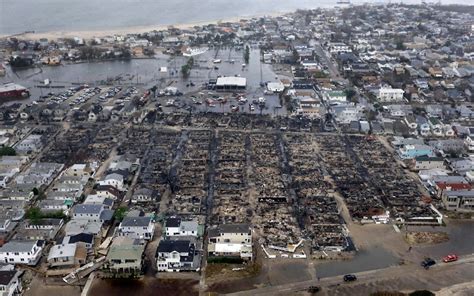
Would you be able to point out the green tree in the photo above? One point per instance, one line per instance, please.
(247, 54)
(120, 213)
(7, 151)
(186, 68)
(350, 94)
(296, 56)
(399, 45)
(34, 214)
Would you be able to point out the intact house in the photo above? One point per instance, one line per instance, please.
(175, 226)
(85, 239)
(412, 151)
(115, 180)
(91, 213)
(31, 143)
(230, 240)
(10, 283)
(21, 252)
(335, 97)
(141, 228)
(43, 229)
(178, 255)
(427, 163)
(442, 187)
(124, 257)
(94, 199)
(67, 255)
(107, 191)
(144, 195)
(461, 200)
(386, 94)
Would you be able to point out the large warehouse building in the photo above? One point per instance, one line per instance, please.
(231, 83)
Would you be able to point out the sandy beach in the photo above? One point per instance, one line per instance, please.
(53, 35)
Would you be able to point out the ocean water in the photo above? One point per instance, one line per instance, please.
(17, 16)
(78, 15)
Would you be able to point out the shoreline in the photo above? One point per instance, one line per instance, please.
(89, 34)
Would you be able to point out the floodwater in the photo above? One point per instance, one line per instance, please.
(461, 239)
(146, 73)
(144, 287)
(364, 260)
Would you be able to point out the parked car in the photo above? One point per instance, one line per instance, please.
(450, 258)
(427, 263)
(350, 278)
(314, 289)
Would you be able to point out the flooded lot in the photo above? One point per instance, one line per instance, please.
(146, 73)
(145, 287)
(373, 258)
(461, 238)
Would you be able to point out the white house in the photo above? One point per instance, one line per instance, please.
(80, 170)
(137, 227)
(335, 96)
(115, 180)
(91, 213)
(32, 143)
(176, 227)
(339, 47)
(428, 163)
(66, 255)
(387, 94)
(21, 252)
(10, 284)
(436, 126)
(4, 224)
(177, 255)
(230, 240)
(346, 114)
(469, 143)
(144, 195)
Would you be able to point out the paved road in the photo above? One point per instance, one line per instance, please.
(439, 276)
(333, 71)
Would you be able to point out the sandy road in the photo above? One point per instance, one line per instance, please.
(406, 277)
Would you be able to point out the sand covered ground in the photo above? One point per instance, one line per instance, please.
(53, 35)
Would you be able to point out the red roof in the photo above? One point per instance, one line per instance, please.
(454, 186)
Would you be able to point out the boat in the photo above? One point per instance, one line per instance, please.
(13, 90)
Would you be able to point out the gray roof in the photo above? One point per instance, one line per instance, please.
(460, 193)
(188, 226)
(6, 276)
(229, 228)
(106, 215)
(87, 209)
(136, 221)
(20, 246)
